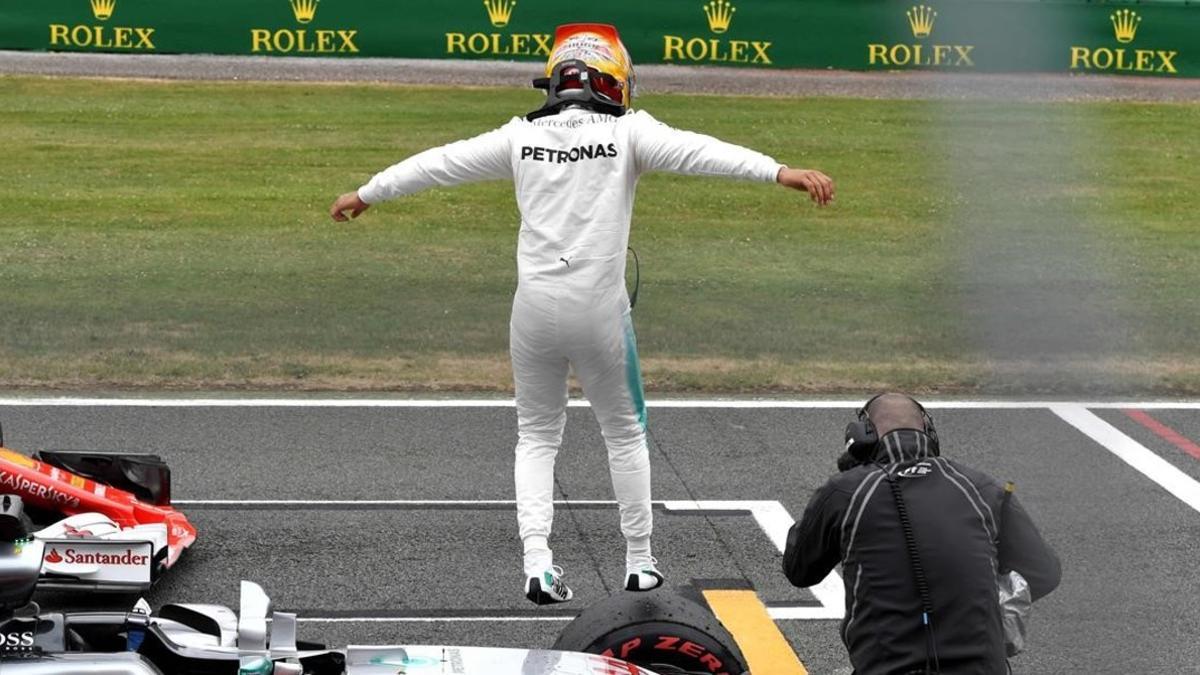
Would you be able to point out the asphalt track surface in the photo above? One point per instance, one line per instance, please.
(449, 573)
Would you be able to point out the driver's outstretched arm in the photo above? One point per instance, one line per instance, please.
(484, 157)
(659, 147)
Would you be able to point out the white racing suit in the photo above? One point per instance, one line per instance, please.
(575, 175)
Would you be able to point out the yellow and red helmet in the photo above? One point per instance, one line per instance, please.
(589, 61)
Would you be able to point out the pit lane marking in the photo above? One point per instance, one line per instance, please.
(1164, 432)
(771, 516)
(748, 621)
(1132, 453)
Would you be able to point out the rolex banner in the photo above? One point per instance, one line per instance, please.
(964, 35)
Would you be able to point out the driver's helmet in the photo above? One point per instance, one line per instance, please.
(599, 48)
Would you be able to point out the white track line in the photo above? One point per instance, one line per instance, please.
(379, 502)
(233, 402)
(775, 520)
(430, 619)
(771, 516)
(1132, 453)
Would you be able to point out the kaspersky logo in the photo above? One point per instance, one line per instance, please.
(303, 40)
(719, 14)
(1125, 23)
(96, 36)
(921, 21)
(493, 43)
(10, 482)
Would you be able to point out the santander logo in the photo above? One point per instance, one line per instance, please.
(70, 556)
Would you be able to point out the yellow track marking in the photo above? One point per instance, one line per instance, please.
(765, 648)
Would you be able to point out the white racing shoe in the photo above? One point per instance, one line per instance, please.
(641, 574)
(548, 587)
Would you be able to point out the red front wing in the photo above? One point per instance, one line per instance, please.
(51, 488)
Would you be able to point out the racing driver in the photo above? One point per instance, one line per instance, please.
(575, 163)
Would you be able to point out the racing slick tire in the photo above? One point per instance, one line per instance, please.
(660, 630)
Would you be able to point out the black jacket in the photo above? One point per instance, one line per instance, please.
(967, 527)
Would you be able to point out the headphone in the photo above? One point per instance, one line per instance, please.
(862, 439)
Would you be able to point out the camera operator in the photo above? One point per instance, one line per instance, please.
(924, 543)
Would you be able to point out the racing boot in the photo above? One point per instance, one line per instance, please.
(548, 587)
(641, 573)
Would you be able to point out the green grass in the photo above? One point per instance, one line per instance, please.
(175, 236)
